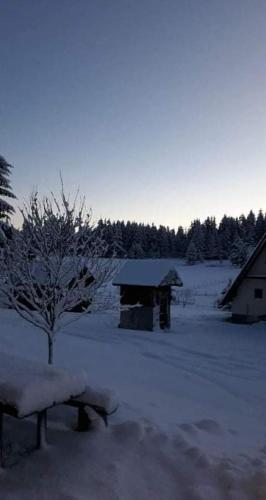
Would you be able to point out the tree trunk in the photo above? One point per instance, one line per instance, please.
(50, 351)
(41, 429)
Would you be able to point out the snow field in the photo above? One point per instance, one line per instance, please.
(191, 421)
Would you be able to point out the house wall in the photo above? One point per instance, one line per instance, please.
(245, 304)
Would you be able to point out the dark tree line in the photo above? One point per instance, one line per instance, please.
(231, 238)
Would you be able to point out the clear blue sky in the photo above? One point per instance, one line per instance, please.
(155, 109)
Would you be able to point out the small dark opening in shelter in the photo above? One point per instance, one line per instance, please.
(258, 293)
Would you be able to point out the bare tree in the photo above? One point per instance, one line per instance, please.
(55, 265)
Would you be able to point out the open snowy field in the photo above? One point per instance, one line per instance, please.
(191, 421)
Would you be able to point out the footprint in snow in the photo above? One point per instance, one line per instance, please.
(209, 425)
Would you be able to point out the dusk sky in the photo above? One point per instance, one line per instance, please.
(156, 110)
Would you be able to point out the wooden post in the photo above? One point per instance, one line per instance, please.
(1, 439)
(41, 429)
(83, 420)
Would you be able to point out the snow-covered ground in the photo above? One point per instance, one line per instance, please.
(191, 421)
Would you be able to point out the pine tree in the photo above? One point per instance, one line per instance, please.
(250, 231)
(211, 242)
(181, 242)
(260, 227)
(196, 233)
(136, 251)
(153, 242)
(172, 240)
(192, 253)
(118, 247)
(239, 253)
(228, 231)
(163, 242)
(5, 189)
(210, 239)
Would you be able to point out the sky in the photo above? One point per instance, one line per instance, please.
(154, 109)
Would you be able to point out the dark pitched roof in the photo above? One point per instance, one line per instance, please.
(231, 292)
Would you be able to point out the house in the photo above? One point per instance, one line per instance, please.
(145, 293)
(247, 293)
(65, 276)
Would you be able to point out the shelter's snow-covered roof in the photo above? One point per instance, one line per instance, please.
(30, 386)
(152, 272)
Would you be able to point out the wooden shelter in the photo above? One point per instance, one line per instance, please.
(145, 293)
(247, 293)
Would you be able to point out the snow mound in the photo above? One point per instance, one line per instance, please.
(132, 460)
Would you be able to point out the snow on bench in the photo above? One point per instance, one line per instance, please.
(101, 401)
(29, 387)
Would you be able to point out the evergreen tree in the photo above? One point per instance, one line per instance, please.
(5, 189)
(228, 232)
(143, 240)
(192, 253)
(118, 247)
(250, 236)
(260, 226)
(239, 253)
(242, 222)
(153, 242)
(196, 233)
(210, 239)
(181, 242)
(136, 251)
(219, 248)
(163, 242)
(172, 243)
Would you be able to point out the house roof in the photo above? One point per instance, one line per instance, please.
(141, 272)
(63, 270)
(231, 292)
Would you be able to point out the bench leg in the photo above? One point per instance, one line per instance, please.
(83, 420)
(103, 416)
(1, 439)
(105, 419)
(41, 429)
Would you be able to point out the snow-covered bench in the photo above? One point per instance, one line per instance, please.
(103, 402)
(28, 387)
